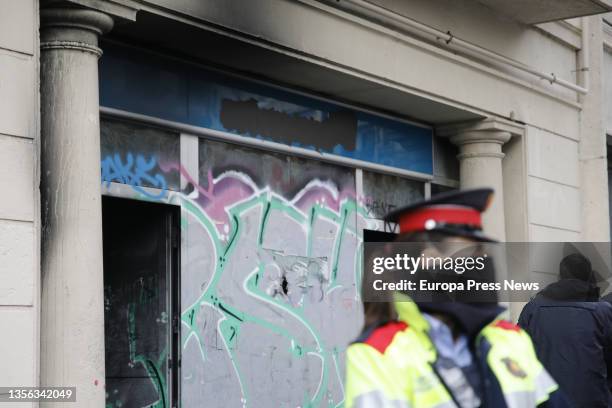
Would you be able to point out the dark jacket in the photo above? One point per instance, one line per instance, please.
(572, 334)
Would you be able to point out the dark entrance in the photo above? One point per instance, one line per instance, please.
(141, 296)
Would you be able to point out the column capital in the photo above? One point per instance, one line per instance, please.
(78, 24)
(120, 10)
(73, 29)
(483, 143)
(483, 138)
(489, 125)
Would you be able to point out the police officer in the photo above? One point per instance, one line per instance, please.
(418, 354)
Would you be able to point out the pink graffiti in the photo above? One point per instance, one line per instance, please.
(231, 188)
(317, 195)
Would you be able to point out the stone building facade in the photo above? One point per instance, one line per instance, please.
(188, 183)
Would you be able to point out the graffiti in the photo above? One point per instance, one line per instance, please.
(135, 171)
(375, 206)
(269, 292)
(282, 269)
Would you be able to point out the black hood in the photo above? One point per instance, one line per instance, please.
(572, 290)
(471, 317)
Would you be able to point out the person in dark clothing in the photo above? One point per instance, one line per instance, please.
(572, 333)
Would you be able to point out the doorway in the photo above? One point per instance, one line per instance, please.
(141, 303)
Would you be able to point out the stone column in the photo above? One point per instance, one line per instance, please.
(72, 310)
(480, 155)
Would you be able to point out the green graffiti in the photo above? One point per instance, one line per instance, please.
(153, 368)
(232, 321)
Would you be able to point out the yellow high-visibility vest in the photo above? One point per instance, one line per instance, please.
(394, 367)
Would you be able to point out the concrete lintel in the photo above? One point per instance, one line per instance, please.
(125, 10)
(489, 124)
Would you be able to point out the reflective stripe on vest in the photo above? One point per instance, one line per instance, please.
(544, 385)
(377, 399)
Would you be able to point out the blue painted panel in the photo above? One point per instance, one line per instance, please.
(143, 83)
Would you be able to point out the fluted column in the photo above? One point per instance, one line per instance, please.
(480, 156)
(72, 312)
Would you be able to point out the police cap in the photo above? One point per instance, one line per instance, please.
(455, 213)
